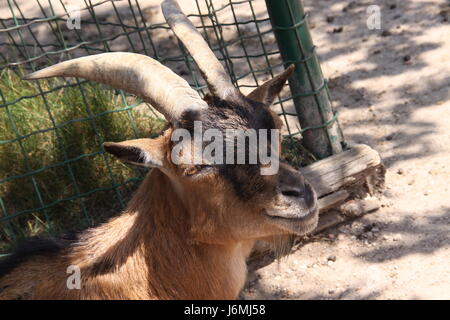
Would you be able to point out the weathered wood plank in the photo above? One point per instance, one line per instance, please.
(329, 219)
(332, 200)
(348, 167)
(358, 207)
(348, 210)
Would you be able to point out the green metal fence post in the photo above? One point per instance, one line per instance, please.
(307, 84)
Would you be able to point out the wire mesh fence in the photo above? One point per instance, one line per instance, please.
(54, 174)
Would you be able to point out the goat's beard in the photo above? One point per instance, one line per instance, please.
(282, 245)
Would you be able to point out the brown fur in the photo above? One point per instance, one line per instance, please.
(148, 252)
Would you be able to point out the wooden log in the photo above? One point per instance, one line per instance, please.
(332, 200)
(329, 219)
(331, 176)
(342, 169)
(350, 209)
(358, 207)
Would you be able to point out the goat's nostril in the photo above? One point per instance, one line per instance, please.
(291, 193)
(310, 196)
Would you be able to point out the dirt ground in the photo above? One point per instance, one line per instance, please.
(392, 90)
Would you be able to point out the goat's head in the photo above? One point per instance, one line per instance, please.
(226, 201)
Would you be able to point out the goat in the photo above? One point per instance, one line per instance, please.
(189, 228)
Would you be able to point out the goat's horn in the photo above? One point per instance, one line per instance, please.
(134, 73)
(219, 83)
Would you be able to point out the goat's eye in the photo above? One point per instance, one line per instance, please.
(190, 171)
(194, 170)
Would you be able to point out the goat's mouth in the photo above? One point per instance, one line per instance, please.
(294, 214)
(302, 224)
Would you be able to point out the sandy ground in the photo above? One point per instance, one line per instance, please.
(392, 93)
(392, 89)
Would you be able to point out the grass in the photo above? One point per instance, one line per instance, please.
(295, 153)
(44, 147)
(41, 148)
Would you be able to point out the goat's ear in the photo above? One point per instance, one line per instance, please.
(267, 92)
(142, 152)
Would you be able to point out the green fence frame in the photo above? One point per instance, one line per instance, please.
(308, 86)
(21, 49)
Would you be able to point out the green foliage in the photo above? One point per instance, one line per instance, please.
(66, 161)
(295, 153)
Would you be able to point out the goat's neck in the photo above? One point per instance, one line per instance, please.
(153, 238)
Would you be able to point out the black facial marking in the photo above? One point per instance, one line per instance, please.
(130, 154)
(236, 113)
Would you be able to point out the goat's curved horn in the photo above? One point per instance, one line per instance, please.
(219, 83)
(134, 73)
